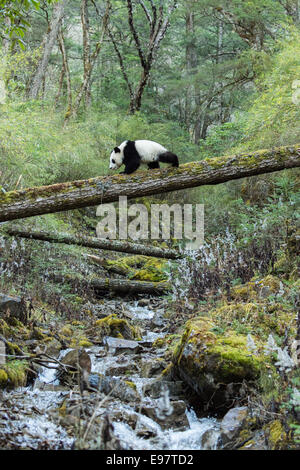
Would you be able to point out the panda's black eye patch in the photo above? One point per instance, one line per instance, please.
(113, 161)
(117, 150)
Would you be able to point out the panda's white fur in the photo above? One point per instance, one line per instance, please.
(134, 153)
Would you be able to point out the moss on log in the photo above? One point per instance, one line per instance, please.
(93, 242)
(83, 193)
(122, 286)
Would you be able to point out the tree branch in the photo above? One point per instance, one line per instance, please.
(134, 34)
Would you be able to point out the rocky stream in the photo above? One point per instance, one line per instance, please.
(122, 402)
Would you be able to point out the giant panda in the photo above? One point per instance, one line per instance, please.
(133, 153)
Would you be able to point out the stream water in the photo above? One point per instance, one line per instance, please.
(144, 412)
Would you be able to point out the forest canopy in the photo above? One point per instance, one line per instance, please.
(128, 343)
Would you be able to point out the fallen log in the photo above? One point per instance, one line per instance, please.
(116, 285)
(94, 242)
(75, 194)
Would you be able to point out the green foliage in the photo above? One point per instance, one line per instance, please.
(220, 139)
(13, 18)
(274, 115)
(34, 145)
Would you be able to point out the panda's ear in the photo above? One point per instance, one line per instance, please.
(117, 150)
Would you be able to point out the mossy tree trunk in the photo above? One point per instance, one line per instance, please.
(117, 285)
(93, 242)
(75, 194)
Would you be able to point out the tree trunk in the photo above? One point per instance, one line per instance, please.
(65, 71)
(158, 25)
(89, 59)
(93, 242)
(75, 194)
(191, 60)
(49, 41)
(117, 285)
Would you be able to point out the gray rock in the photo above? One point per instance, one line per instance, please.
(152, 367)
(12, 308)
(158, 320)
(233, 422)
(115, 386)
(122, 369)
(121, 346)
(177, 419)
(175, 388)
(210, 439)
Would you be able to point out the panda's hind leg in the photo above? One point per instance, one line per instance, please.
(169, 157)
(153, 165)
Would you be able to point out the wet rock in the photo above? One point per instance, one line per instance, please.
(32, 344)
(175, 419)
(210, 440)
(108, 439)
(117, 387)
(158, 320)
(154, 389)
(122, 369)
(76, 360)
(2, 352)
(233, 422)
(39, 385)
(121, 346)
(12, 308)
(153, 367)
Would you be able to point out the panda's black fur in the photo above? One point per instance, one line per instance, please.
(151, 156)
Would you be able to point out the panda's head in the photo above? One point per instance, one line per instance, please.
(116, 158)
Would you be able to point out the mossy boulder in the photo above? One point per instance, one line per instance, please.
(13, 374)
(80, 342)
(66, 330)
(214, 365)
(257, 289)
(141, 268)
(261, 318)
(116, 327)
(276, 435)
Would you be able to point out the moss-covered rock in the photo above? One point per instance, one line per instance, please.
(3, 378)
(141, 268)
(276, 436)
(261, 318)
(116, 327)
(213, 365)
(66, 330)
(13, 374)
(257, 289)
(80, 342)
